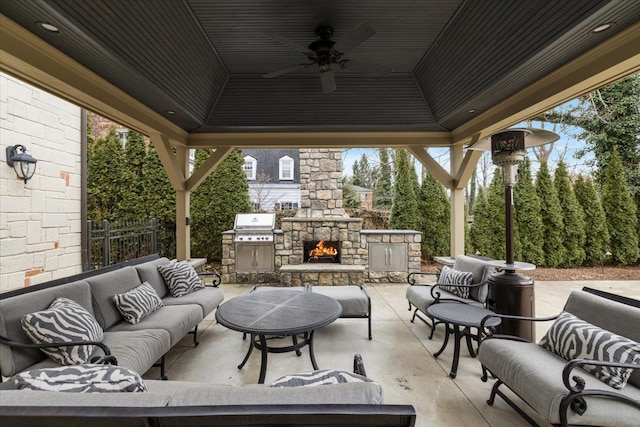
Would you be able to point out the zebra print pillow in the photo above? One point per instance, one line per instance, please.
(321, 377)
(64, 321)
(449, 277)
(137, 303)
(81, 379)
(181, 278)
(574, 338)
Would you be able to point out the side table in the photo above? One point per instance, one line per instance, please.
(459, 319)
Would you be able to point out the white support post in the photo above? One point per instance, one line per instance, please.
(457, 204)
(183, 196)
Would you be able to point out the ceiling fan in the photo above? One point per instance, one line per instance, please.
(327, 53)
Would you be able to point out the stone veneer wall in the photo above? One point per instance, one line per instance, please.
(40, 224)
(321, 183)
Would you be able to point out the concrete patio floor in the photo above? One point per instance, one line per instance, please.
(400, 356)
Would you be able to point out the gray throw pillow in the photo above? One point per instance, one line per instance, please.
(450, 277)
(137, 303)
(573, 338)
(181, 278)
(64, 321)
(321, 377)
(81, 379)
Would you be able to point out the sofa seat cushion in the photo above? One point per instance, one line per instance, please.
(137, 350)
(208, 299)
(64, 321)
(366, 393)
(138, 303)
(13, 360)
(81, 379)
(535, 374)
(178, 320)
(353, 300)
(420, 297)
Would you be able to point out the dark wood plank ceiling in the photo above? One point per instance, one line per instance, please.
(203, 60)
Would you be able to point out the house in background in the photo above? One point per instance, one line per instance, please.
(274, 178)
(365, 196)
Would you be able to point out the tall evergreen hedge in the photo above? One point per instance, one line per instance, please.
(572, 218)
(552, 223)
(479, 230)
(621, 213)
(404, 211)
(436, 219)
(132, 206)
(527, 217)
(383, 192)
(496, 216)
(105, 182)
(595, 222)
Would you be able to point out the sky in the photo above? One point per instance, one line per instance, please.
(565, 148)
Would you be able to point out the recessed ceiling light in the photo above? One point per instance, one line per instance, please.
(49, 27)
(171, 112)
(602, 27)
(472, 111)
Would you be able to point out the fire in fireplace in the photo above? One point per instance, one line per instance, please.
(323, 251)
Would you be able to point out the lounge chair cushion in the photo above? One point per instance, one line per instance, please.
(574, 338)
(64, 321)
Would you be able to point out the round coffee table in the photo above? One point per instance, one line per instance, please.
(277, 313)
(461, 318)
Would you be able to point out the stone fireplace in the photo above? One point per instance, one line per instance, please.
(321, 252)
(321, 217)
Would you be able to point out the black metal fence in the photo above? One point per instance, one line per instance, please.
(112, 242)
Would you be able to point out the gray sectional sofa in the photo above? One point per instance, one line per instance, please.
(558, 389)
(135, 346)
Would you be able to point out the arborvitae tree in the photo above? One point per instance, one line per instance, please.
(527, 217)
(595, 222)
(572, 218)
(496, 214)
(551, 214)
(404, 211)
(132, 205)
(435, 227)
(364, 175)
(350, 198)
(479, 230)
(104, 177)
(621, 213)
(215, 203)
(159, 193)
(383, 192)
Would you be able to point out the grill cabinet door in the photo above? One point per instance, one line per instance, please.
(254, 258)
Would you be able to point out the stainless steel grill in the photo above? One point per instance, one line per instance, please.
(254, 241)
(254, 228)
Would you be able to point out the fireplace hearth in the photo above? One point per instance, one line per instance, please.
(321, 252)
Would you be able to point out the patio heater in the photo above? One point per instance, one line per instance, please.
(509, 292)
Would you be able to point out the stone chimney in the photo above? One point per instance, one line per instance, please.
(321, 183)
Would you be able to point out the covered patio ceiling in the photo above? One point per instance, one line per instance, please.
(189, 73)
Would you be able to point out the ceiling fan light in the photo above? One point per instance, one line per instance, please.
(327, 81)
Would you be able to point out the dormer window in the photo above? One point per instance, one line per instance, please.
(286, 168)
(250, 166)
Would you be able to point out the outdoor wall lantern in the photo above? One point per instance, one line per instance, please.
(23, 163)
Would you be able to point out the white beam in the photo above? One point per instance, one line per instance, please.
(457, 205)
(469, 163)
(205, 169)
(169, 161)
(432, 166)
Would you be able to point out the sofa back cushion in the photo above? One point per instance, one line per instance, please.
(12, 309)
(477, 268)
(148, 272)
(616, 317)
(104, 286)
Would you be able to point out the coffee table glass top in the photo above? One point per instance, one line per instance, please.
(278, 311)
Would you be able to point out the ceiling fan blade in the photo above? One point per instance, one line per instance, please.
(327, 81)
(285, 71)
(287, 42)
(366, 67)
(357, 35)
